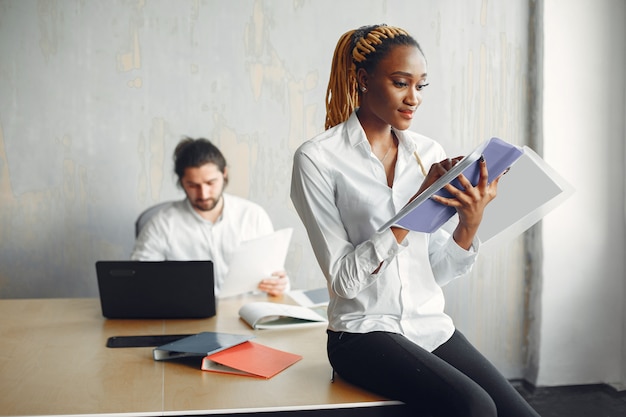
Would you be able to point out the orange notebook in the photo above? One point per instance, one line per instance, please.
(250, 359)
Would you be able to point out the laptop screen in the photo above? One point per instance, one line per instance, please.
(156, 289)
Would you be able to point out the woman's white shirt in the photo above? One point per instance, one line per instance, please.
(339, 189)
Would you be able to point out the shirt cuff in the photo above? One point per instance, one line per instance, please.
(459, 253)
(386, 247)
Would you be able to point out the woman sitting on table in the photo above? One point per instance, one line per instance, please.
(388, 332)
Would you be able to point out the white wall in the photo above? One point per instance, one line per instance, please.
(583, 316)
(94, 95)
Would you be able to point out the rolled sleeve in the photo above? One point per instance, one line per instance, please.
(450, 261)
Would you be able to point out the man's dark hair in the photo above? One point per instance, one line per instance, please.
(193, 153)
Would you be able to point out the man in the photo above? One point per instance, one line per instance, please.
(208, 224)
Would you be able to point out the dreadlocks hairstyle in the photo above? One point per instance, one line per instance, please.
(360, 48)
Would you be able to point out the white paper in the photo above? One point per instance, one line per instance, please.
(255, 260)
(310, 298)
(267, 315)
(529, 191)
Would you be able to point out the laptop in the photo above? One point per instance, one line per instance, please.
(156, 289)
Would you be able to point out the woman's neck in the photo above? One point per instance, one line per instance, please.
(378, 134)
(384, 145)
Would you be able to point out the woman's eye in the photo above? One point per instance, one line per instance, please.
(400, 84)
(420, 87)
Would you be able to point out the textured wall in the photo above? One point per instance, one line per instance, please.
(94, 95)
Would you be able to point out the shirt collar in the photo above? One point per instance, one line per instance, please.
(356, 135)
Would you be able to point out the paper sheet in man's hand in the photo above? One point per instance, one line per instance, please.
(255, 260)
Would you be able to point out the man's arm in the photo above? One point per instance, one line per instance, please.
(150, 244)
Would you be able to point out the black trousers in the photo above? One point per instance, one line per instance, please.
(454, 380)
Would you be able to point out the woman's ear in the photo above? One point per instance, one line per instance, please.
(361, 78)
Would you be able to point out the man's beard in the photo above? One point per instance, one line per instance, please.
(208, 204)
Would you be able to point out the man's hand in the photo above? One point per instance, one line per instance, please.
(276, 285)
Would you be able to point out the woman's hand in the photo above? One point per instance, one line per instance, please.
(436, 171)
(470, 203)
(276, 285)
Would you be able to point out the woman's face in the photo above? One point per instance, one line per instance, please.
(394, 88)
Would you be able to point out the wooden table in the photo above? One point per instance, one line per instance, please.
(54, 361)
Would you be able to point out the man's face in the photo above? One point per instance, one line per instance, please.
(204, 186)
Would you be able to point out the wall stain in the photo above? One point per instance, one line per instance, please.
(142, 181)
(131, 59)
(48, 16)
(158, 133)
(240, 153)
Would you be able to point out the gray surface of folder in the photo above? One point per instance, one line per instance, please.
(201, 344)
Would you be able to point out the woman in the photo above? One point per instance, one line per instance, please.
(387, 331)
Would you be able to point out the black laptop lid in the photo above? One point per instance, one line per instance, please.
(150, 289)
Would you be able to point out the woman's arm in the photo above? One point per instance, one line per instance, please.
(347, 267)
